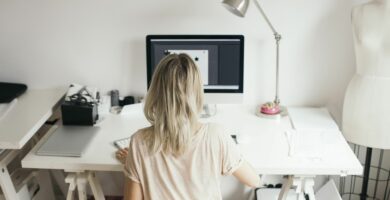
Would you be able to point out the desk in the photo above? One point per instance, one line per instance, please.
(267, 150)
(31, 111)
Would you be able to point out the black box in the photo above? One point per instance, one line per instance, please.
(10, 91)
(79, 114)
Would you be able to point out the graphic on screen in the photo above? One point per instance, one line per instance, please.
(201, 58)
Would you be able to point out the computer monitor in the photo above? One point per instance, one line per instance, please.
(220, 59)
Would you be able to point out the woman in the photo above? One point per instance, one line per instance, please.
(178, 157)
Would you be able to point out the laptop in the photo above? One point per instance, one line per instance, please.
(68, 141)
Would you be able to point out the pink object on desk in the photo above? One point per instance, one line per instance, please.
(270, 108)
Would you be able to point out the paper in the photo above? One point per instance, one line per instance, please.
(75, 88)
(305, 144)
(305, 119)
(201, 58)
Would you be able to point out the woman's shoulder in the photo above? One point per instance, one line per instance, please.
(216, 130)
(215, 127)
(140, 135)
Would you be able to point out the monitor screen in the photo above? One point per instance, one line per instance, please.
(220, 58)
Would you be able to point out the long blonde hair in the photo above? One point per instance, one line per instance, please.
(173, 104)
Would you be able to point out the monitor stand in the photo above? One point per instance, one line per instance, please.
(209, 110)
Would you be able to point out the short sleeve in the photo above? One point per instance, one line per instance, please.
(132, 164)
(231, 155)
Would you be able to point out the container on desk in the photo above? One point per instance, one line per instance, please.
(85, 114)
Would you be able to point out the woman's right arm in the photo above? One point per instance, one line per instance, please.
(133, 190)
(247, 175)
(234, 164)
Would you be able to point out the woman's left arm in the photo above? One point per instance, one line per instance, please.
(133, 190)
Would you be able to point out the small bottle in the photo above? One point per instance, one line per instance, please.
(114, 98)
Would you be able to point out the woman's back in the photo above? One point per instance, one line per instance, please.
(195, 174)
(177, 157)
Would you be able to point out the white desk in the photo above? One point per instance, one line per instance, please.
(267, 149)
(30, 112)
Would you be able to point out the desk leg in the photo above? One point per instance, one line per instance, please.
(301, 196)
(6, 184)
(309, 188)
(95, 186)
(298, 182)
(304, 186)
(71, 179)
(80, 180)
(287, 183)
(82, 185)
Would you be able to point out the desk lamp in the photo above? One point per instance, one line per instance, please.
(239, 8)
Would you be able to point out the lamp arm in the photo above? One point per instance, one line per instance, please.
(265, 17)
(278, 37)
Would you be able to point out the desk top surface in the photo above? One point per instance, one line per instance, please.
(29, 113)
(266, 148)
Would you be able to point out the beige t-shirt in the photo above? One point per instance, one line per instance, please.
(193, 175)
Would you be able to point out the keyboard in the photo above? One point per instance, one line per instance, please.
(122, 143)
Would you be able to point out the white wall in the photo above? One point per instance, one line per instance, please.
(47, 43)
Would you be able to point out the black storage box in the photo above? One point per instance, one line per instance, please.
(10, 91)
(79, 114)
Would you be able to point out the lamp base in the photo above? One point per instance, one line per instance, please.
(270, 110)
(275, 117)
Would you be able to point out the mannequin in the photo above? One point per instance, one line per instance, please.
(366, 114)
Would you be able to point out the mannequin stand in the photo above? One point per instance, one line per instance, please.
(366, 175)
(375, 182)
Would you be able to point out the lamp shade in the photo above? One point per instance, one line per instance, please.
(237, 7)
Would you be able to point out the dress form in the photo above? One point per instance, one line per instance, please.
(366, 114)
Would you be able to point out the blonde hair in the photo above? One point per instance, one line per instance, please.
(173, 104)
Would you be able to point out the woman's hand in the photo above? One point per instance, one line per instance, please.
(122, 154)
